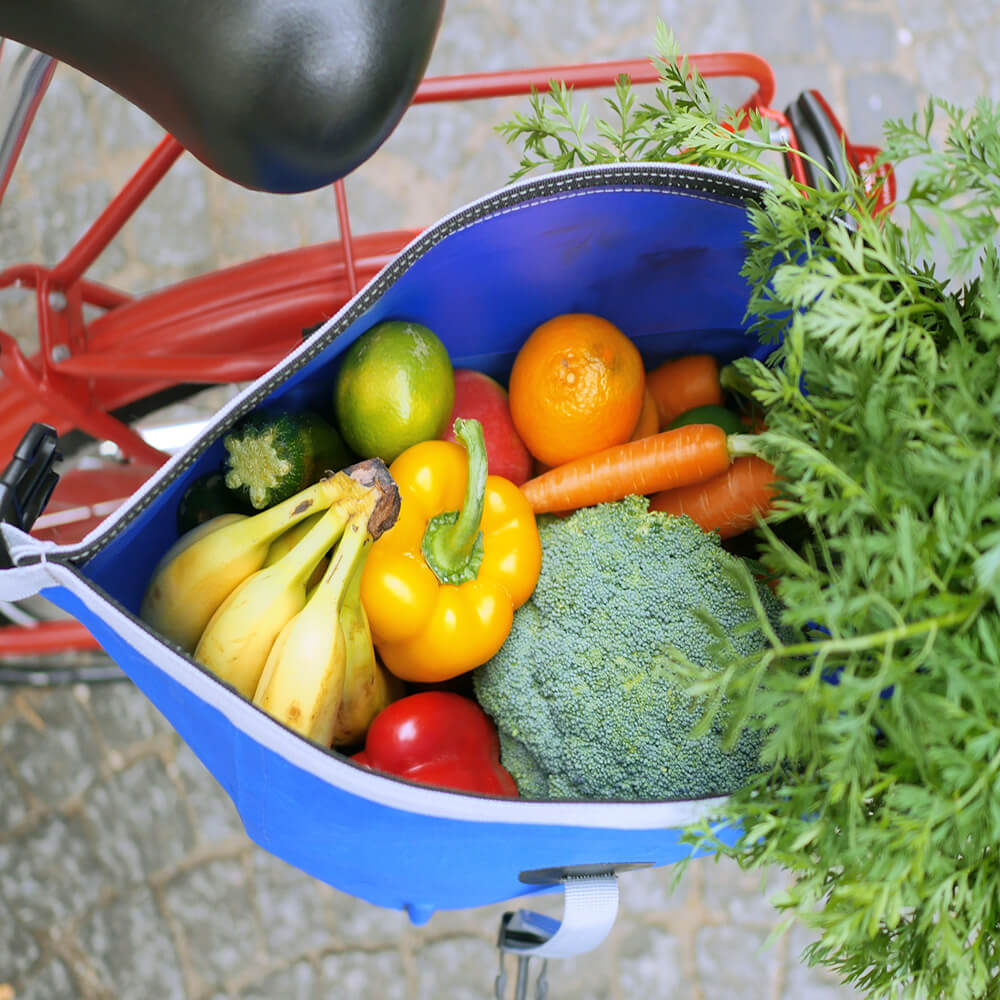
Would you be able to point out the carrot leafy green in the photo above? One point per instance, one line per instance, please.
(882, 727)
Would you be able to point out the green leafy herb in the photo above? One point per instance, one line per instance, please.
(882, 397)
(683, 114)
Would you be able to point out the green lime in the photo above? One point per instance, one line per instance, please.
(711, 414)
(395, 387)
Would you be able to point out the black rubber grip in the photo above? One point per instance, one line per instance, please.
(818, 138)
(28, 481)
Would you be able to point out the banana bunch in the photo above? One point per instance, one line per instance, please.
(271, 603)
(321, 677)
(368, 686)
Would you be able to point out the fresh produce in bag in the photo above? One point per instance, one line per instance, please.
(187, 589)
(589, 692)
(479, 397)
(319, 650)
(272, 456)
(440, 588)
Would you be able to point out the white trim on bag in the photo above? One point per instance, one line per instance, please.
(20, 582)
(356, 780)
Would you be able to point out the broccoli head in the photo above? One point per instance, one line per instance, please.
(584, 694)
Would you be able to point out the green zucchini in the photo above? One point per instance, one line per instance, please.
(712, 413)
(207, 497)
(270, 456)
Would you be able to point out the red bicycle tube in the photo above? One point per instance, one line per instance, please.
(45, 637)
(92, 292)
(346, 242)
(794, 160)
(471, 86)
(119, 210)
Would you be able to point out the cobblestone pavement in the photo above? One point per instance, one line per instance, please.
(124, 870)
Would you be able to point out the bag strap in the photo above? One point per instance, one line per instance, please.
(590, 908)
(27, 572)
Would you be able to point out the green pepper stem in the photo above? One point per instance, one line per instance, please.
(453, 545)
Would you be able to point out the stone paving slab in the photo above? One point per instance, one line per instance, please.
(136, 881)
(124, 869)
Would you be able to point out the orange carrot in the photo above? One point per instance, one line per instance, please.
(729, 503)
(684, 383)
(689, 454)
(649, 417)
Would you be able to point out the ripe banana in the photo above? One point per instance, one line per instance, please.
(186, 590)
(368, 686)
(287, 541)
(188, 539)
(240, 634)
(388, 688)
(303, 679)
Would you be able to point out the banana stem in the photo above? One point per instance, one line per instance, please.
(300, 562)
(345, 566)
(268, 524)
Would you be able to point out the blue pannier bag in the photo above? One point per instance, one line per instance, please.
(657, 250)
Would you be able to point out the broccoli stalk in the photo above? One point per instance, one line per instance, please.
(584, 693)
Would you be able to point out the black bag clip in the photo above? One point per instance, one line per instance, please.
(28, 481)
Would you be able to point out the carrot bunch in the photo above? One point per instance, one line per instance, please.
(695, 469)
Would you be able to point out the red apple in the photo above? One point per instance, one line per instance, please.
(479, 397)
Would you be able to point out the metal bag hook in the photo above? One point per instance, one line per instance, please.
(517, 931)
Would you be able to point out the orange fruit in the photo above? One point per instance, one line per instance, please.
(576, 386)
(395, 387)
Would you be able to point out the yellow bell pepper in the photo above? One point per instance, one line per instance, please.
(441, 586)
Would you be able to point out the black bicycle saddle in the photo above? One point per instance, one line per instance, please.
(276, 95)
